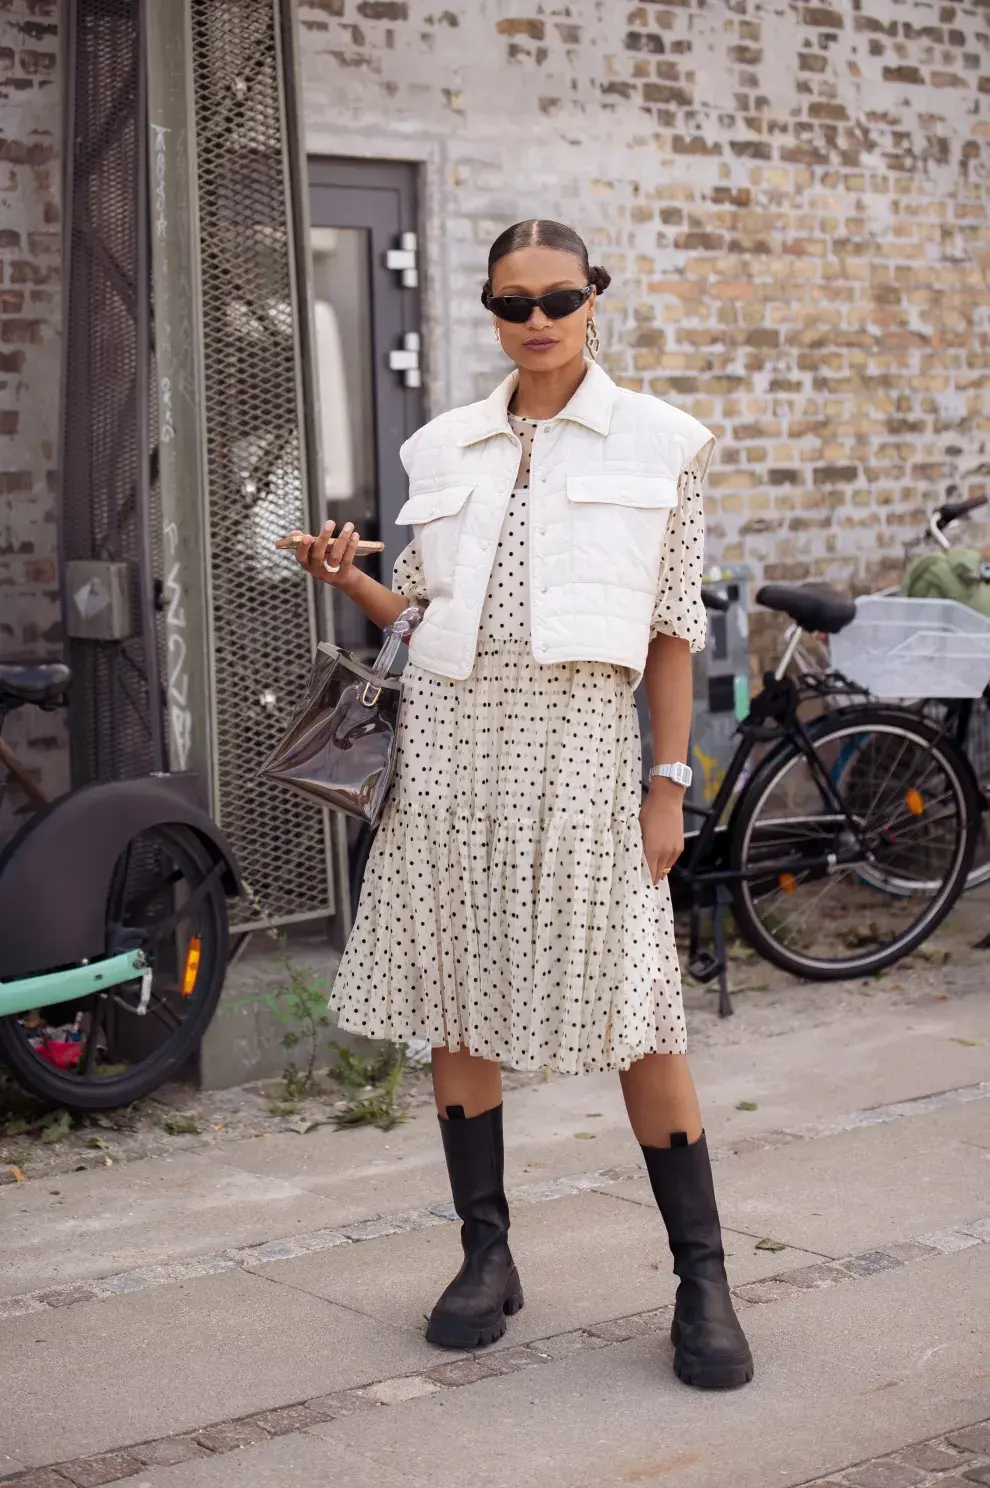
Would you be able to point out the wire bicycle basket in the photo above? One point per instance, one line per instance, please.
(901, 648)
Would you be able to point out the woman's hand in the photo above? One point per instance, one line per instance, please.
(329, 559)
(661, 821)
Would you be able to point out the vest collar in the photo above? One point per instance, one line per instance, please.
(591, 405)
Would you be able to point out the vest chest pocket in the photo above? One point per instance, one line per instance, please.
(618, 521)
(435, 512)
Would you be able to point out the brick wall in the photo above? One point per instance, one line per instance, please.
(792, 200)
(30, 121)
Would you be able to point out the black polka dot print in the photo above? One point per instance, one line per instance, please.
(507, 907)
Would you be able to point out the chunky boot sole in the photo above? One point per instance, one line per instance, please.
(706, 1374)
(446, 1331)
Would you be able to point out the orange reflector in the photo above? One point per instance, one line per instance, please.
(787, 882)
(914, 802)
(191, 968)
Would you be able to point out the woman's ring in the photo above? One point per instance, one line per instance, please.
(331, 567)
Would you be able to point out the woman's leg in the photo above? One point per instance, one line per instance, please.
(660, 1098)
(710, 1348)
(473, 1309)
(461, 1079)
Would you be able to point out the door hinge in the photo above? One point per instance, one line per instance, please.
(403, 260)
(406, 360)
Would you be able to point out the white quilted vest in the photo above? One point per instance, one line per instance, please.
(603, 482)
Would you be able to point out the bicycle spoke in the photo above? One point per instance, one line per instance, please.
(159, 1008)
(145, 900)
(831, 887)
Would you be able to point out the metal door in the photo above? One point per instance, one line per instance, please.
(363, 250)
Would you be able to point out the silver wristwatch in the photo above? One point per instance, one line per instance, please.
(678, 773)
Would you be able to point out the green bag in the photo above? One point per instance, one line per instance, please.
(961, 574)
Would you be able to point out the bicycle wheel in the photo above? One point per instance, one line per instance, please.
(977, 748)
(111, 1048)
(845, 868)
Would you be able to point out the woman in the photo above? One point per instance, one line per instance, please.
(515, 906)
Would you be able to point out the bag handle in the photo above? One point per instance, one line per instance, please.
(400, 630)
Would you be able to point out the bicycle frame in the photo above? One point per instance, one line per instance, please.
(773, 718)
(51, 987)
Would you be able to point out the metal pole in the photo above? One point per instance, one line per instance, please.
(142, 370)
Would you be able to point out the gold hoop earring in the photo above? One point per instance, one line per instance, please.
(591, 339)
(498, 334)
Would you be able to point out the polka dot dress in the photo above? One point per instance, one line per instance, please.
(507, 906)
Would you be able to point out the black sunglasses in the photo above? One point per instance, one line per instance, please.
(558, 304)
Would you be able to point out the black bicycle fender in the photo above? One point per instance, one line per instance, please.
(55, 875)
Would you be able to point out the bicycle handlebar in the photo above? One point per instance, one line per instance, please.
(951, 511)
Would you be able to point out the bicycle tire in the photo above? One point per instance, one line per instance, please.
(75, 1093)
(772, 770)
(977, 750)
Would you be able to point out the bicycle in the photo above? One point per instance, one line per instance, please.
(848, 842)
(113, 926)
(966, 719)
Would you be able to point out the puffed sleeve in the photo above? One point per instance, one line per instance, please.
(407, 575)
(678, 610)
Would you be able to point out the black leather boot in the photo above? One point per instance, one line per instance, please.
(710, 1348)
(486, 1290)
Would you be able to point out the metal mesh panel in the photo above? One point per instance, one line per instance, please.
(261, 615)
(116, 721)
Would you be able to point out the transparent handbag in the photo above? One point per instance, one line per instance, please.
(340, 747)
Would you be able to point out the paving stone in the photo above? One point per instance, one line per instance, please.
(617, 1330)
(883, 1474)
(947, 1242)
(980, 1228)
(395, 1391)
(978, 1474)
(657, 1321)
(11, 1307)
(336, 1407)
(285, 1419)
(41, 1477)
(461, 1372)
(909, 1250)
(229, 1435)
(772, 1290)
(507, 1361)
(168, 1451)
(125, 1281)
(870, 1263)
(372, 1229)
(108, 1467)
(68, 1296)
(930, 1458)
(971, 1438)
(564, 1345)
(812, 1278)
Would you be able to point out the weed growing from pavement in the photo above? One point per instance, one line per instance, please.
(373, 1085)
(370, 1082)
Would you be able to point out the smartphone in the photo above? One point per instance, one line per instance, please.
(361, 551)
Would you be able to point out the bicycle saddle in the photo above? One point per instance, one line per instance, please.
(33, 681)
(813, 606)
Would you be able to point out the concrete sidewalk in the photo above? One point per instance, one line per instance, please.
(253, 1315)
